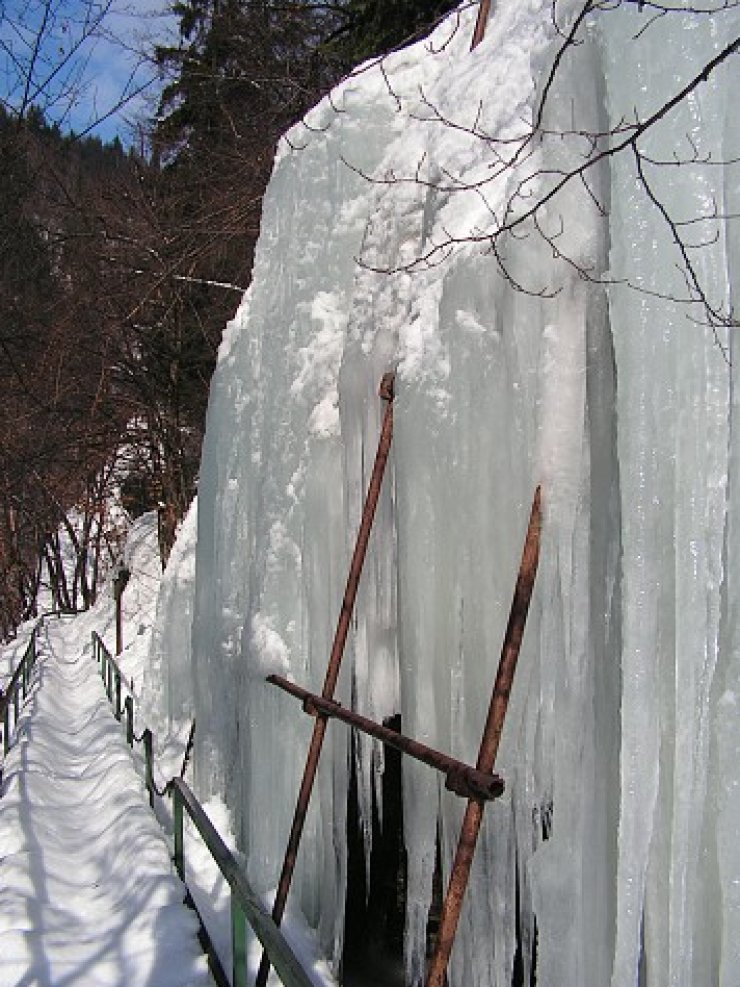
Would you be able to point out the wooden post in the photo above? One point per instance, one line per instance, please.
(149, 763)
(129, 707)
(120, 582)
(118, 695)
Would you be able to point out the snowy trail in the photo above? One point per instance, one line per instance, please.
(88, 894)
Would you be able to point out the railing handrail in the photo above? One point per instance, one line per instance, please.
(7, 696)
(112, 675)
(18, 678)
(268, 932)
(245, 903)
(109, 658)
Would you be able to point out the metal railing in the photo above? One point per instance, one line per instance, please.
(17, 688)
(114, 682)
(245, 904)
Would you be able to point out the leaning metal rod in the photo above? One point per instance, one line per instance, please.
(480, 24)
(335, 660)
(462, 779)
(488, 748)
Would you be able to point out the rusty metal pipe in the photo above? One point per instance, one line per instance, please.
(489, 747)
(480, 25)
(462, 779)
(335, 660)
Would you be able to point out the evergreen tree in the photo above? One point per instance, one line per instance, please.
(242, 73)
(374, 27)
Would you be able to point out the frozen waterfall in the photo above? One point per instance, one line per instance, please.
(565, 356)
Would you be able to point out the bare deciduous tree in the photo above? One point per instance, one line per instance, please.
(48, 50)
(555, 156)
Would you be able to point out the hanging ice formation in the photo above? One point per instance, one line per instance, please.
(623, 735)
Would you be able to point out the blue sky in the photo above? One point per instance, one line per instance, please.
(84, 58)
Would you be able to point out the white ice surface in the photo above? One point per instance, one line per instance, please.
(621, 738)
(622, 741)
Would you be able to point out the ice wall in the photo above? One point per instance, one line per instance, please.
(168, 687)
(535, 363)
(676, 883)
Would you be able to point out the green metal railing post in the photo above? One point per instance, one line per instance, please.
(113, 683)
(128, 705)
(6, 730)
(149, 760)
(178, 814)
(247, 906)
(238, 944)
(24, 677)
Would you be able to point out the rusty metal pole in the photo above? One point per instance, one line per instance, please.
(489, 747)
(461, 778)
(480, 25)
(335, 659)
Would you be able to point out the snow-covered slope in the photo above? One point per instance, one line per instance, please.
(622, 742)
(88, 893)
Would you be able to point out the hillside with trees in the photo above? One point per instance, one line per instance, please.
(119, 270)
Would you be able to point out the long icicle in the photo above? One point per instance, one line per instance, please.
(335, 661)
(489, 747)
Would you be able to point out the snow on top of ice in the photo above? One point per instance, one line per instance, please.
(269, 652)
(316, 382)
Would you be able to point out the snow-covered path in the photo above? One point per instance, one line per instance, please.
(88, 894)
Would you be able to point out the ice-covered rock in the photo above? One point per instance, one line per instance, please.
(577, 368)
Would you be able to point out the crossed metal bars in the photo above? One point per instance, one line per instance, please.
(478, 784)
